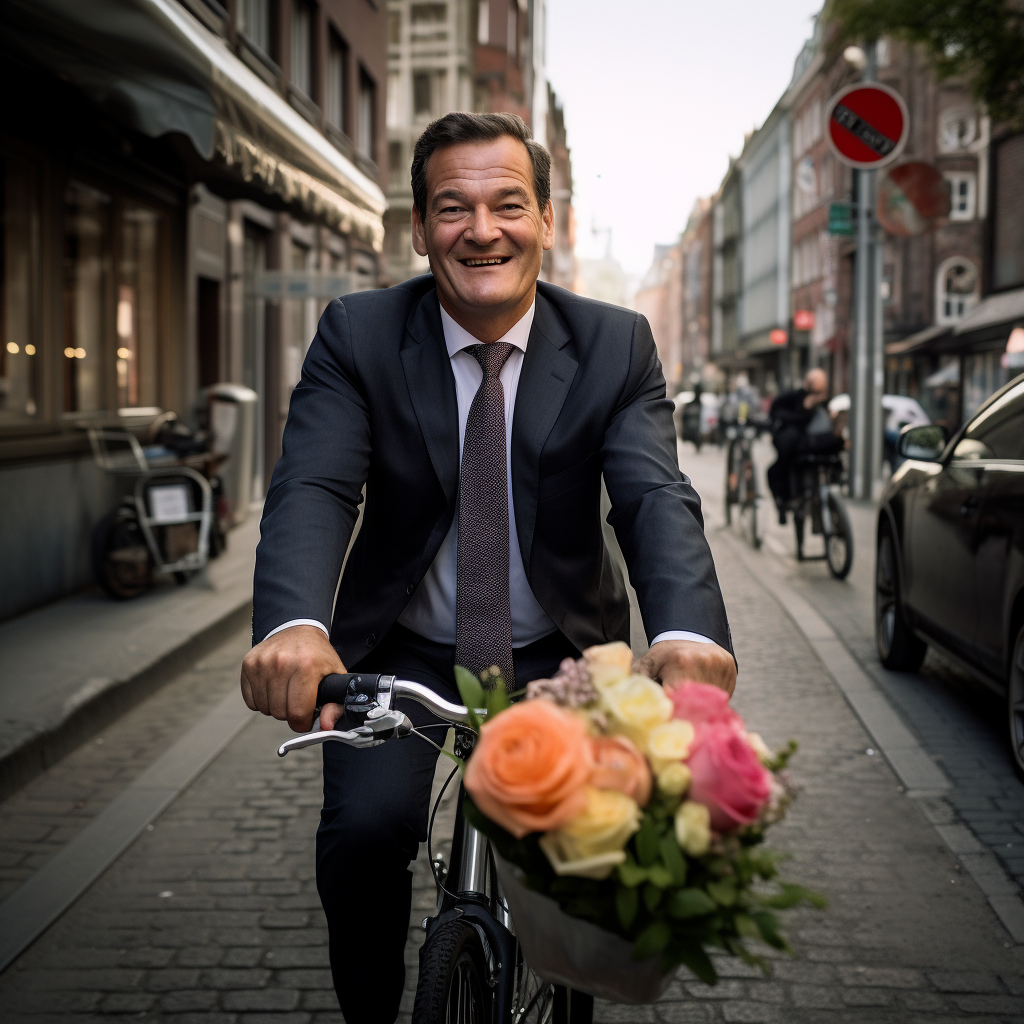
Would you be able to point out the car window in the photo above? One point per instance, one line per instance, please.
(998, 431)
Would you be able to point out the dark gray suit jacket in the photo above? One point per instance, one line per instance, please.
(376, 406)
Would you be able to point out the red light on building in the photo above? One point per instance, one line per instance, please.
(778, 336)
(803, 320)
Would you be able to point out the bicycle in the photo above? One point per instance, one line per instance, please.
(741, 481)
(472, 970)
(818, 481)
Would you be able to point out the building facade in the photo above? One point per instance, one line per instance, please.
(695, 252)
(169, 167)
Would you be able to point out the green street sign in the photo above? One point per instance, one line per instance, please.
(840, 219)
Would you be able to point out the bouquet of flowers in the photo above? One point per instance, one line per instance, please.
(627, 821)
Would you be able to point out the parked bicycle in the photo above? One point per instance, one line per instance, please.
(817, 485)
(472, 969)
(742, 487)
(172, 518)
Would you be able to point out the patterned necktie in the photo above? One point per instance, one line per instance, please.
(483, 618)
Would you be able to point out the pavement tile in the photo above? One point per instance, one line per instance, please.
(989, 1004)
(964, 981)
(187, 1000)
(261, 999)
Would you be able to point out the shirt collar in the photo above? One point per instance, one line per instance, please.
(457, 338)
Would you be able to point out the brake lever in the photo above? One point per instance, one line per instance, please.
(381, 725)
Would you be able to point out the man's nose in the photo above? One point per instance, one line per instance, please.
(483, 228)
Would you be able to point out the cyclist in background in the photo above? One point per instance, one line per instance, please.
(800, 425)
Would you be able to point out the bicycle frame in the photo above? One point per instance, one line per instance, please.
(369, 701)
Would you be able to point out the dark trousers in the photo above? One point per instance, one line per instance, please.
(374, 818)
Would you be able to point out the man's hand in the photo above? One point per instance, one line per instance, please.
(675, 661)
(281, 674)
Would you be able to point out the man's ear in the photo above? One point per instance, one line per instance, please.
(549, 225)
(419, 235)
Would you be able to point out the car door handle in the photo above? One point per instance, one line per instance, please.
(969, 506)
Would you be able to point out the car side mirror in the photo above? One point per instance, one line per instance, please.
(923, 443)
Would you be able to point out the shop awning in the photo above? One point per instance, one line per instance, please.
(153, 66)
(917, 342)
(994, 311)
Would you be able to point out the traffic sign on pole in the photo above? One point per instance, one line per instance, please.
(867, 125)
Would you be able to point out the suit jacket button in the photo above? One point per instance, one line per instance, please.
(371, 639)
(409, 589)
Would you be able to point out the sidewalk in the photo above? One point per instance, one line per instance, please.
(72, 667)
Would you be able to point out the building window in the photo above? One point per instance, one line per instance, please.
(396, 167)
(366, 112)
(301, 70)
(483, 22)
(421, 98)
(19, 282)
(428, 22)
(87, 214)
(961, 196)
(138, 300)
(958, 127)
(956, 289)
(394, 28)
(337, 62)
(1007, 214)
(254, 22)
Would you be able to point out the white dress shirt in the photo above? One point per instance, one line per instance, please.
(431, 611)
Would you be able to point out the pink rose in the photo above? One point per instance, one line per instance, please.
(701, 705)
(727, 777)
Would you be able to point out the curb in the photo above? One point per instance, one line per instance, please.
(99, 709)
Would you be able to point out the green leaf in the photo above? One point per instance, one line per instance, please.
(684, 903)
(632, 874)
(673, 859)
(768, 926)
(723, 893)
(647, 842)
(471, 692)
(458, 760)
(791, 895)
(746, 927)
(652, 940)
(694, 957)
(652, 896)
(496, 699)
(659, 876)
(627, 903)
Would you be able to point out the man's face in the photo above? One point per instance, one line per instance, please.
(816, 386)
(484, 232)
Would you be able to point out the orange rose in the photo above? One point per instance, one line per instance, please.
(530, 766)
(619, 765)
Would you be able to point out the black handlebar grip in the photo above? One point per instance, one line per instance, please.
(333, 689)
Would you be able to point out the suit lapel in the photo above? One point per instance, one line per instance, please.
(544, 382)
(428, 373)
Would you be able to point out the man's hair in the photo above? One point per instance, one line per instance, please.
(458, 127)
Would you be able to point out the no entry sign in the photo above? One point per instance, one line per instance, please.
(866, 124)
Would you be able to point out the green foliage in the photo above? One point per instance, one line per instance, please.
(981, 41)
(472, 693)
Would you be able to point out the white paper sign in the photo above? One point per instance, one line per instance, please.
(169, 504)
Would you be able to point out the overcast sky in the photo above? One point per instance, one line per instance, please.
(657, 95)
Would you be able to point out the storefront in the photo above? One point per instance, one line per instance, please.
(149, 179)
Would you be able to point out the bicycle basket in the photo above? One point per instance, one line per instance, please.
(568, 951)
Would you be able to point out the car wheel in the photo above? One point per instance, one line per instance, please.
(898, 647)
(1015, 703)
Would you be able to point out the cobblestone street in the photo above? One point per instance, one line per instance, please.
(212, 914)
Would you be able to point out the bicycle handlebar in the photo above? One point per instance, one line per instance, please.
(368, 702)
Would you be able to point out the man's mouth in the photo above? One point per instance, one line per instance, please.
(486, 261)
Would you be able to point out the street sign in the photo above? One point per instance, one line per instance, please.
(840, 219)
(867, 125)
(912, 197)
(778, 336)
(803, 320)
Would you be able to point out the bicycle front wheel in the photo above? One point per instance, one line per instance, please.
(839, 543)
(453, 986)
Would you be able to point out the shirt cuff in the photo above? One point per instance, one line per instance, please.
(671, 634)
(300, 622)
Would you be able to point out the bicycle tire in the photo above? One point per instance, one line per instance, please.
(121, 562)
(798, 526)
(452, 987)
(748, 472)
(839, 542)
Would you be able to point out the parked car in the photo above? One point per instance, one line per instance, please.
(950, 568)
(899, 411)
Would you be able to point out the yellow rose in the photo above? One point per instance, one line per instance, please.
(608, 663)
(669, 742)
(635, 705)
(693, 828)
(592, 844)
(674, 779)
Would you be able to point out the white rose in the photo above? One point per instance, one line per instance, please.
(635, 705)
(669, 742)
(693, 828)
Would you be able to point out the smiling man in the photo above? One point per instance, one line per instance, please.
(477, 410)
